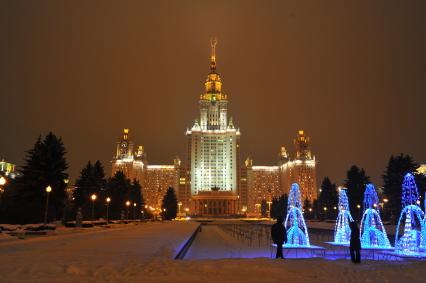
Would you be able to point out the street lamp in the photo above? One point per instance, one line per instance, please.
(128, 205)
(179, 204)
(108, 200)
(93, 198)
(2, 183)
(48, 190)
(134, 207)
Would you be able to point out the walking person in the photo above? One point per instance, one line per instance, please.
(355, 244)
(279, 236)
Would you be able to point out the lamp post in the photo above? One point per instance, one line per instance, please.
(179, 205)
(108, 200)
(2, 183)
(48, 190)
(359, 211)
(93, 197)
(128, 205)
(134, 210)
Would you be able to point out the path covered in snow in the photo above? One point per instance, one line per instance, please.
(91, 253)
(144, 253)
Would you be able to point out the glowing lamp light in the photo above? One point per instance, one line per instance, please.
(2, 181)
(134, 204)
(128, 203)
(48, 189)
(108, 199)
(93, 197)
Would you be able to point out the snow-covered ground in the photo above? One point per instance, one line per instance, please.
(91, 253)
(144, 253)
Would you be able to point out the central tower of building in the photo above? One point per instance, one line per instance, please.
(213, 151)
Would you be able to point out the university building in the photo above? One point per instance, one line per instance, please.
(213, 182)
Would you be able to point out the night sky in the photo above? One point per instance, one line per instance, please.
(352, 74)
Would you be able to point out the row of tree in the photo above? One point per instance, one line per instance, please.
(24, 198)
(355, 182)
(125, 197)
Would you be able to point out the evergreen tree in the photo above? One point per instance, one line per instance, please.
(136, 198)
(25, 198)
(282, 205)
(118, 189)
(328, 198)
(307, 207)
(169, 205)
(274, 208)
(355, 183)
(393, 176)
(91, 181)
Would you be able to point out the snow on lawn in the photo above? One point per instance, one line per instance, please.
(49, 258)
(143, 253)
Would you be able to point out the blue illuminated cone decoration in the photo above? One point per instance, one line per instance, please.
(373, 233)
(412, 216)
(297, 233)
(342, 231)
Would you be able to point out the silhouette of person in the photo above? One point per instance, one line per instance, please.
(279, 236)
(355, 244)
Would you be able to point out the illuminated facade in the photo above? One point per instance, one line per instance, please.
(212, 183)
(267, 182)
(154, 179)
(7, 169)
(213, 151)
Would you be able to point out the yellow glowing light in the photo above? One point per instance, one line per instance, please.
(108, 199)
(385, 200)
(2, 181)
(186, 209)
(93, 197)
(325, 208)
(126, 131)
(128, 203)
(48, 189)
(358, 206)
(134, 204)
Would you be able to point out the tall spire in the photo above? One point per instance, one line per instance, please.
(213, 43)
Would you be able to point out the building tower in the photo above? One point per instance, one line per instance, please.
(303, 167)
(130, 162)
(213, 151)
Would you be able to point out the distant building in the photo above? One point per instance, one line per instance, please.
(213, 152)
(267, 182)
(7, 169)
(154, 179)
(212, 182)
(422, 169)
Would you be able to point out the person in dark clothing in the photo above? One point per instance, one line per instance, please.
(355, 245)
(279, 236)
